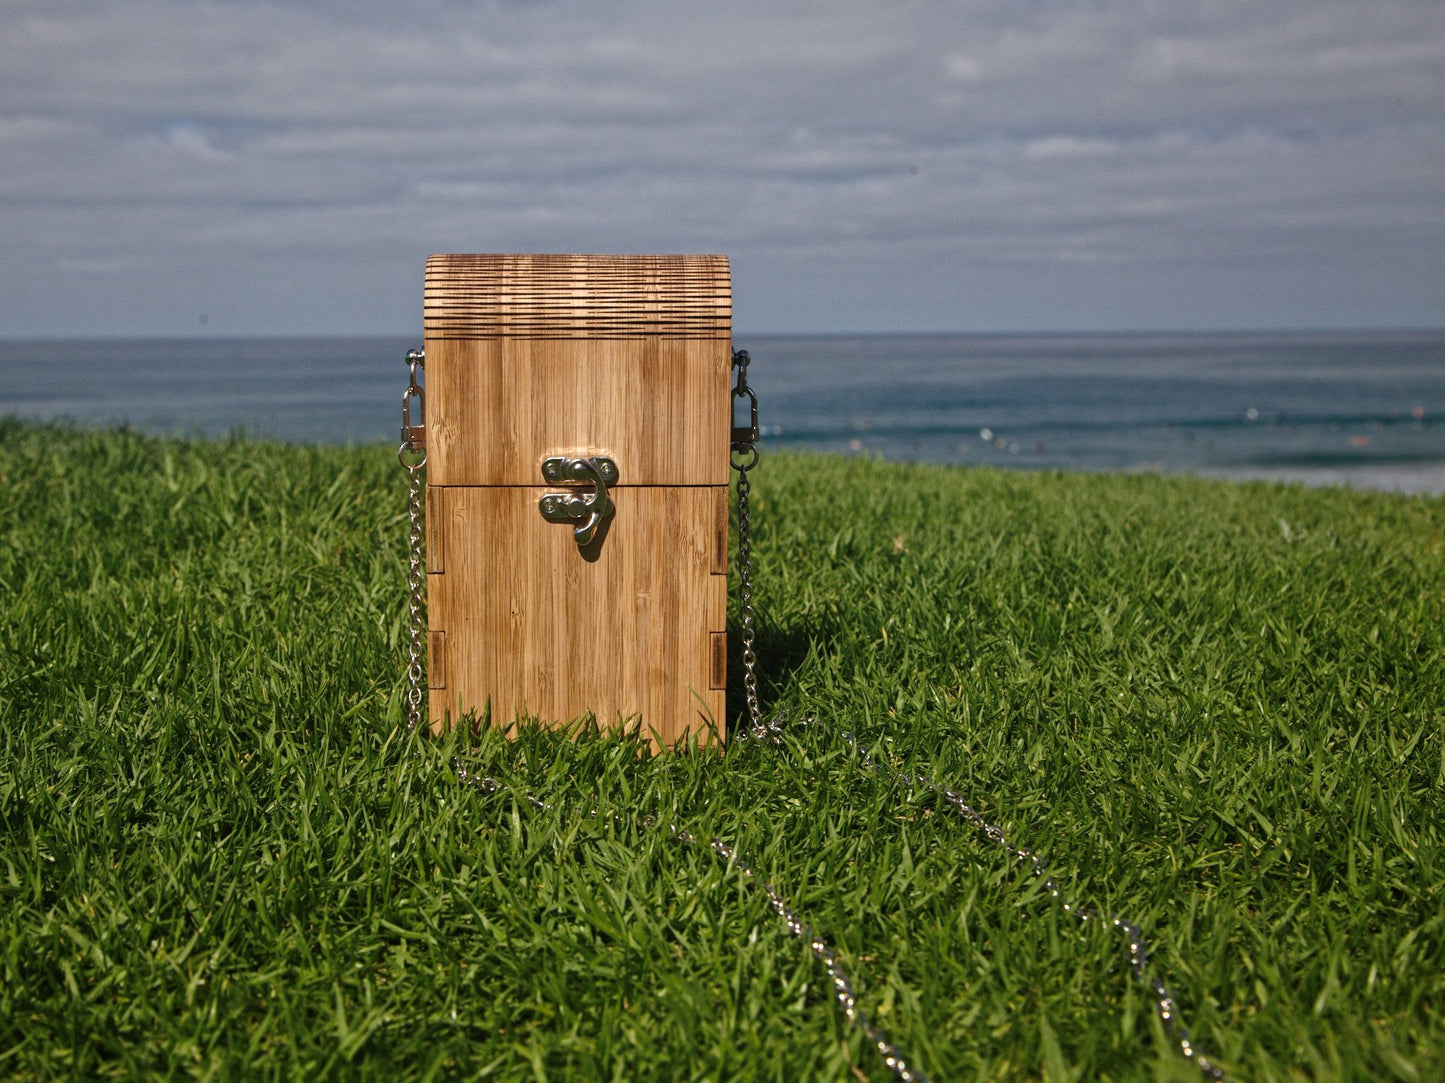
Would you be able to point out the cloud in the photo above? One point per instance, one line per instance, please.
(997, 141)
(188, 138)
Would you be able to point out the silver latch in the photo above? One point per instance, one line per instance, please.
(586, 510)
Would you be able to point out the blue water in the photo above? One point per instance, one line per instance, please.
(1367, 409)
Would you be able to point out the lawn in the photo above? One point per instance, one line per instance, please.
(1215, 709)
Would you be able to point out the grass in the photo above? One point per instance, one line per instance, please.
(1216, 708)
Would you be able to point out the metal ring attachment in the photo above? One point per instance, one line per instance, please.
(744, 465)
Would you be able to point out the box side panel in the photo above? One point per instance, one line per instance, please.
(536, 628)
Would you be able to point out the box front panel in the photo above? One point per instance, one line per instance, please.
(530, 623)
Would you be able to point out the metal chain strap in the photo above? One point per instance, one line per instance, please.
(772, 731)
(744, 457)
(412, 455)
(842, 986)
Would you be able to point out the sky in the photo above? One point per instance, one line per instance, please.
(174, 167)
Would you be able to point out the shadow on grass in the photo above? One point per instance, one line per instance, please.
(781, 654)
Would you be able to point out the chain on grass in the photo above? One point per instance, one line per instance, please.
(772, 732)
(1138, 953)
(843, 990)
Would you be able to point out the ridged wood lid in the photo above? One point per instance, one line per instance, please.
(555, 296)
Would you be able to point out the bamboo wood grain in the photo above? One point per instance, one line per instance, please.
(537, 630)
(497, 407)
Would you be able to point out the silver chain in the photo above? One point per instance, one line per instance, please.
(1138, 954)
(772, 731)
(744, 457)
(412, 455)
(843, 990)
(842, 986)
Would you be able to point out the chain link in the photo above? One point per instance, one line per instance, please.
(415, 669)
(744, 456)
(823, 951)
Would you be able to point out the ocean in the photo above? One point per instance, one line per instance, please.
(1365, 409)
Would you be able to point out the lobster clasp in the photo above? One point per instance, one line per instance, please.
(744, 437)
(412, 452)
(586, 511)
(413, 435)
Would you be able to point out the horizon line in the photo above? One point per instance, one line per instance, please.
(1122, 332)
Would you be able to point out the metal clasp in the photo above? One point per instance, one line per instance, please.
(412, 452)
(587, 510)
(744, 437)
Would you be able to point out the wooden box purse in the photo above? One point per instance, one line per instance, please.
(578, 418)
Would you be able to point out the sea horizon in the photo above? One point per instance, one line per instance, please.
(739, 337)
(1362, 407)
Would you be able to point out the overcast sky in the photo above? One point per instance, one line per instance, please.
(237, 167)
